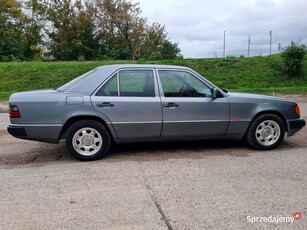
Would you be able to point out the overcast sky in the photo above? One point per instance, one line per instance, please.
(198, 25)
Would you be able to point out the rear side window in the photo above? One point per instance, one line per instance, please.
(130, 83)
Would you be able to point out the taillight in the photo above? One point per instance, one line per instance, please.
(297, 110)
(14, 111)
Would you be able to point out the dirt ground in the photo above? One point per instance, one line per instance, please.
(299, 98)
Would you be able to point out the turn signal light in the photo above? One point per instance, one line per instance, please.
(297, 110)
(14, 111)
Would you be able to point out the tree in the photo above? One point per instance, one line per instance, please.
(72, 34)
(293, 57)
(11, 45)
(169, 50)
(20, 29)
(86, 43)
(155, 35)
(33, 22)
(124, 32)
(120, 27)
(157, 46)
(80, 30)
(60, 14)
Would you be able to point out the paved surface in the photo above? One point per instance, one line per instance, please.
(303, 108)
(4, 120)
(3, 106)
(187, 185)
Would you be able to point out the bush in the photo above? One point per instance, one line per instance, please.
(293, 57)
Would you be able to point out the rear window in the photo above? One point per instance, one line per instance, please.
(75, 81)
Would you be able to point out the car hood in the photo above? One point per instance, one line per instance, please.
(255, 96)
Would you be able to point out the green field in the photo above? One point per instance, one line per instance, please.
(257, 74)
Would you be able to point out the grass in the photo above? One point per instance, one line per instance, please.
(257, 74)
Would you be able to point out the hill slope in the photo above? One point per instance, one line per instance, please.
(257, 74)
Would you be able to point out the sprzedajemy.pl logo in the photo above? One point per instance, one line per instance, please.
(273, 219)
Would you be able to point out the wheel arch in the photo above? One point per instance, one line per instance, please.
(77, 118)
(277, 113)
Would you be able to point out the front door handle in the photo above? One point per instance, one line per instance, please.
(170, 105)
(105, 104)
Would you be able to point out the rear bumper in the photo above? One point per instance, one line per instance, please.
(295, 125)
(17, 131)
(44, 133)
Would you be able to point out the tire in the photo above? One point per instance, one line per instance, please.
(87, 140)
(266, 132)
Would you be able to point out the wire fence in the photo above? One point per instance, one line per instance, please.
(246, 48)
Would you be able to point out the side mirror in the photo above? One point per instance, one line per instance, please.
(214, 92)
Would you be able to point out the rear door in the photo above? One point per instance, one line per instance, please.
(188, 107)
(130, 99)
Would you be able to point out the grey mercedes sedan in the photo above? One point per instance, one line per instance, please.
(133, 103)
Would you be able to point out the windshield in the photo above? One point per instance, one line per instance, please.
(74, 81)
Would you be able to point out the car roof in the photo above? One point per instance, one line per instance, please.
(120, 66)
(90, 82)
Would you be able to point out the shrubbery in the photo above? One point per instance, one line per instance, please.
(293, 57)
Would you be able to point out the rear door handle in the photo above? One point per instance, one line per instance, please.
(170, 105)
(105, 104)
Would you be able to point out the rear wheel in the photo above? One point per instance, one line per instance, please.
(266, 132)
(87, 140)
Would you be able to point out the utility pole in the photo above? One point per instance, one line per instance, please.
(249, 46)
(279, 47)
(270, 42)
(224, 44)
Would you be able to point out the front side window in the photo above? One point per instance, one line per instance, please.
(130, 83)
(182, 84)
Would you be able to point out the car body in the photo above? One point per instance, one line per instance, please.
(133, 103)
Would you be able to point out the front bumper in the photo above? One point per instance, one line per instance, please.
(45, 133)
(295, 126)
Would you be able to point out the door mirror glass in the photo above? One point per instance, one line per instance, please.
(215, 93)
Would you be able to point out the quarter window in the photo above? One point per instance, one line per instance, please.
(182, 84)
(110, 88)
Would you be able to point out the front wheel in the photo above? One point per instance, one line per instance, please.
(87, 140)
(266, 132)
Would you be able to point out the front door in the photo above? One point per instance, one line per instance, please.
(131, 101)
(188, 107)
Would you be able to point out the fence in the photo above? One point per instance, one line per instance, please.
(246, 48)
